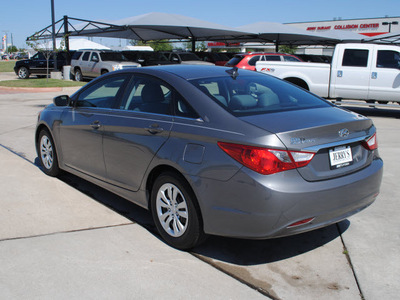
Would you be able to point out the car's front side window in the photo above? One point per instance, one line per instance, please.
(86, 56)
(103, 94)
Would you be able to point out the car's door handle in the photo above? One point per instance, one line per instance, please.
(154, 129)
(374, 75)
(95, 125)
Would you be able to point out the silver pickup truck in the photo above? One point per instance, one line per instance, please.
(93, 63)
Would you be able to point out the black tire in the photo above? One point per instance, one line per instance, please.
(47, 153)
(104, 72)
(23, 73)
(78, 75)
(177, 218)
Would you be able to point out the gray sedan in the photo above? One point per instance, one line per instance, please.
(212, 150)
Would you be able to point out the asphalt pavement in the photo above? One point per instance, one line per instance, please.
(64, 238)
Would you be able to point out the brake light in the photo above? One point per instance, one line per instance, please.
(371, 143)
(266, 161)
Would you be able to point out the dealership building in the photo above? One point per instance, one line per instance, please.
(372, 27)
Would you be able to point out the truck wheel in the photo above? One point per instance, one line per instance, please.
(23, 73)
(104, 72)
(78, 75)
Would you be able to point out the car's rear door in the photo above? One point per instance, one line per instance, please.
(385, 74)
(137, 130)
(82, 126)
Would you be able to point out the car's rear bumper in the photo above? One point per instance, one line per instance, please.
(250, 205)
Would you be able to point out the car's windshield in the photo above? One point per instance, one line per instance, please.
(189, 56)
(155, 56)
(112, 56)
(258, 94)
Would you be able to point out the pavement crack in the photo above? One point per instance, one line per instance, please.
(66, 231)
(346, 252)
(250, 285)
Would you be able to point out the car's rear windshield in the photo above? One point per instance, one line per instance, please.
(235, 60)
(258, 94)
(112, 56)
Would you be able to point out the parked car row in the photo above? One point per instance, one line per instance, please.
(16, 55)
(89, 63)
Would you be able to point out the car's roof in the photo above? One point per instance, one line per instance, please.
(263, 53)
(195, 71)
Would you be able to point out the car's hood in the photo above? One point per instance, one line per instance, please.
(124, 63)
(307, 128)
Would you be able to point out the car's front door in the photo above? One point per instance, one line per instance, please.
(39, 64)
(93, 65)
(137, 130)
(85, 64)
(82, 126)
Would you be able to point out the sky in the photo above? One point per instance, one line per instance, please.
(25, 18)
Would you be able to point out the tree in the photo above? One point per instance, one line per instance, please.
(200, 46)
(287, 49)
(12, 49)
(43, 48)
(157, 45)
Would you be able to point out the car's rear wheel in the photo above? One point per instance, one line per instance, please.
(23, 73)
(47, 153)
(175, 212)
(78, 75)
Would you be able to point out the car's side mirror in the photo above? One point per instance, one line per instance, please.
(62, 100)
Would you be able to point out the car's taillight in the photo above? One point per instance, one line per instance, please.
(371, 143)
(264, 160)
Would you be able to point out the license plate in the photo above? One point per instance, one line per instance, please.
(340, 157)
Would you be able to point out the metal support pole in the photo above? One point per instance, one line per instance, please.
(193, 45)
(53, 34)
(66, 36)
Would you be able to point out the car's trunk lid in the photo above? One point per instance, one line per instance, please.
(321, 131)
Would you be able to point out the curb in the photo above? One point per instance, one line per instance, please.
(31, 90)
(6, 89)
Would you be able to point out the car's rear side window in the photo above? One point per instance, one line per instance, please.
(259, 94)
(235, 60)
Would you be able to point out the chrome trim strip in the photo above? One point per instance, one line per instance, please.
(335, 144)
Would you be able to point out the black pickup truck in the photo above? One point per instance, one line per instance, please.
(37, 65)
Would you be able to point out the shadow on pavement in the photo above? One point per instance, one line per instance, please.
(231, 250)
(255, 252)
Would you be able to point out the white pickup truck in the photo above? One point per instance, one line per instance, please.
(368, 72)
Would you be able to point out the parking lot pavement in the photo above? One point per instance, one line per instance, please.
(67, 238)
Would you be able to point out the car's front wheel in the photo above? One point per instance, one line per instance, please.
(78, 75)
(23, 73)
(175, 212)
(47, 153)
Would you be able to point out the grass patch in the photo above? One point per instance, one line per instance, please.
(40, 82)
(7, 66)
